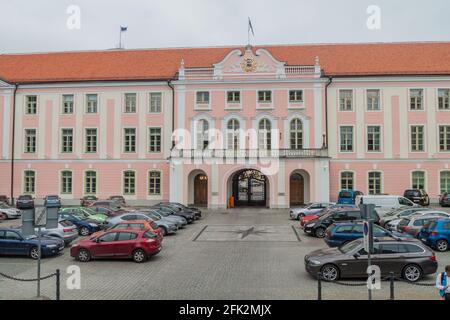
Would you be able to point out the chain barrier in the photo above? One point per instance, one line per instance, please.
(56, 274)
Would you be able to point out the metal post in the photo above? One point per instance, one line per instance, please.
(319, 286)
(58, 284)
(391, 280)
(39, 264)
(369, 259)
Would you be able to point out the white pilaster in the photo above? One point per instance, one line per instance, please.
(281, 193)
(103, 133)
(6, 124)
(318, 115)
(42, 124)
(322, 180)
(214, 186)
(79, 129)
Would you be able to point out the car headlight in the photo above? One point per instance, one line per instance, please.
(309, 225)
(51, 246)
(315, 262)
(93, 225)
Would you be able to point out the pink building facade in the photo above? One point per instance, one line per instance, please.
(247, 125)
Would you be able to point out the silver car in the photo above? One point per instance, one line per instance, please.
(308, 210)
(165, 226)
(66, 231)
(180, 221)
(400, 213)
(9, 212)
(415, 223)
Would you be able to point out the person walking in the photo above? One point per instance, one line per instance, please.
(443, 283)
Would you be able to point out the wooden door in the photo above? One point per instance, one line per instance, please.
(201, 190)
(296, 189)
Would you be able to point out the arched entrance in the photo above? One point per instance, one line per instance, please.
(249, 188)
(201, 190)
(299, 187)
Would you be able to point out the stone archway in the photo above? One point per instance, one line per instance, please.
(249, 187)
(198, 188)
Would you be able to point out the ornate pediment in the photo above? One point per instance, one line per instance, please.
(249, 64)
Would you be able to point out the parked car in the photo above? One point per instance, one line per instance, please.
(166, 226)
(385, 203)
(312, 208)
(120, 200)
(436, 234)
(189, 216)
(414, 224)
(107, 211)
(85, 212)
(9, 212)
(146, 225)
(4, 199)
(418, 196)
(339, 234)
(306, 219)
(85, 225)
(318, 227)
(87, 200)
(13, 243)
(400, 213)
(196, 211)
(408, 258)
(118, 243)
(178, 220)
(66, 231)
(25, 201)
(444, 199)
(393, 224)
(348, 196)
(52, 201)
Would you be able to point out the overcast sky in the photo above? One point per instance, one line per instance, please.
(42, 25)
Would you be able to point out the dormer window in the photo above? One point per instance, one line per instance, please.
(202, 97)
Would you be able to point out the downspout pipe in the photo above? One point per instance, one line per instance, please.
(169, 83)
(330, 80)
(13, 142)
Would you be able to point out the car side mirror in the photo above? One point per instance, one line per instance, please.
(356, 255)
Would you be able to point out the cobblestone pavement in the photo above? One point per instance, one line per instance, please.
(268, 267)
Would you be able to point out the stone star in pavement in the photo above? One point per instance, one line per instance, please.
(247, 232)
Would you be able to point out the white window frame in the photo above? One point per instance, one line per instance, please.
(63, 102)
(134, 186)
(353, 178)
(149, 139)
(439, 125)
(353, 138)
(381, 181)
(85, 141)
(149, 101)
(367, 138)
(36, 106)
(157, 195)
(85, 182)
(424, 178)
(124, 136)
(25, 144)
(423, 135)
(61, 184)
(87, 106)
(61, 150)
(340, 90)
(423, 99)
(380, 99)
(24, 183)
(437, 100)
(125, 95)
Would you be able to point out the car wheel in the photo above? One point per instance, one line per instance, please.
(83, 255)
(139, 256)
(442, 245)
(34, 253)
(164, 230)
(84, 231)
(330, 272)
(412, 273)
(320, 233)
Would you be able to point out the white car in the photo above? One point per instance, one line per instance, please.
(309, 209)
(9, 212)
(392, 225)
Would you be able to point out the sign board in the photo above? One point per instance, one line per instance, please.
(27, 222)
(52, 218)
(40, 217)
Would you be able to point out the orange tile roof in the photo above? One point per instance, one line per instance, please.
(151, 64)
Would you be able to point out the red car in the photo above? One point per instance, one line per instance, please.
(138, 245)
(306, 219)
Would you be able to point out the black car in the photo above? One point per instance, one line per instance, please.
(418, 196)
(52, 201)
(25, 201)
(444, 199)
(120, 200)
(189, 216)
(318, 226)
(197, 212)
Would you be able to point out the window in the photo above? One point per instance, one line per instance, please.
(66, 182)
(129, 135)
(31, 104)
(154, 183)
(264, 135)
(90, 182)
(374, 183)
(373, 100)
(418, 180)
(66, 140)
(264, 96)
(129, 182)
(296, 134)
(91, 103)
(373, 138)
(233, 134)
(67, 103)
(444, 99)
(126, 236)
(347, 180)
(91, 141)
(155, 139)
(346, 135)
(202, 97)
(345, 100)
(29, 180)
(295, 96)
(155, 102)
(445, 181)
(130, 102)
(109, 237)
(416, 99)
(233, 97)
(417, 138)
(202, 134)
(30, 140)
(444, 138)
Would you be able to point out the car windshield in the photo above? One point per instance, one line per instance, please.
(24, 197)
(412, 193)
(346, 248)
(88, 211)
